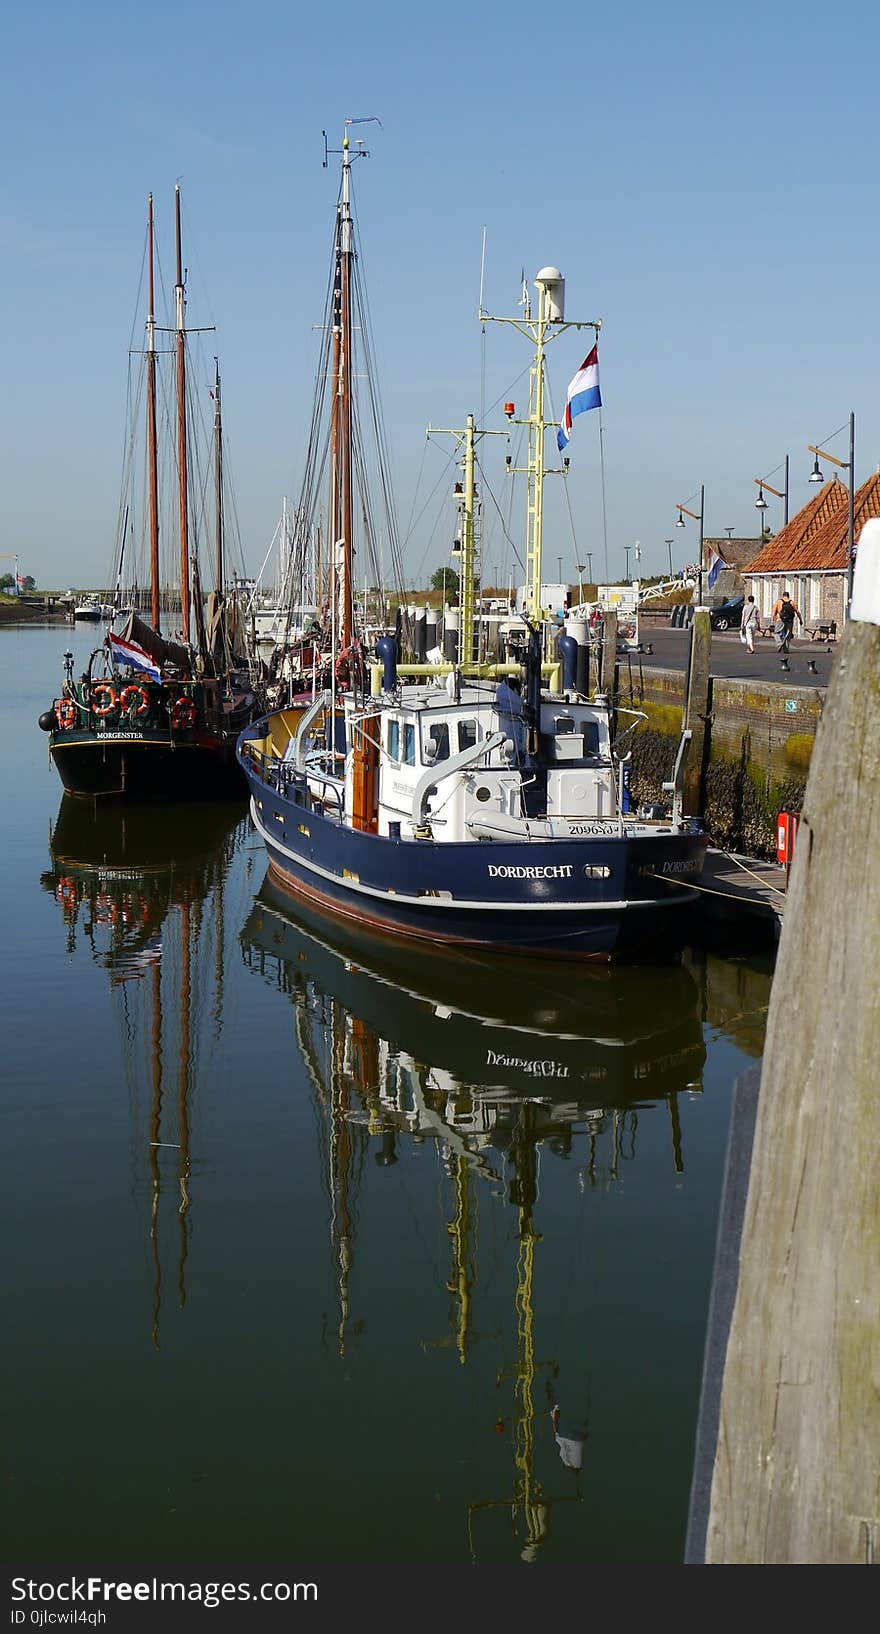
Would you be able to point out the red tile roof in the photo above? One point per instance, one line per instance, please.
(815, 540)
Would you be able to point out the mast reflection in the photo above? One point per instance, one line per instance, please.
(493, 1062)
(141, 891)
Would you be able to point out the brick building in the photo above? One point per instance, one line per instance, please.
(808, 557)
(737, 555)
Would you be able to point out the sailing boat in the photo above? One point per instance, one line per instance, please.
(153, 718)
(483, 806)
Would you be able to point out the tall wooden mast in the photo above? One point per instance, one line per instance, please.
(340, 432)
(180, 348)
(152, 456)
(218, 479)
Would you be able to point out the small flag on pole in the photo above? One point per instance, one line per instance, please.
(524, 299)
(129, 654)
(583, 393)
(715, 564)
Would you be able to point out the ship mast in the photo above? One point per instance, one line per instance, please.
(180, 349)
(549, 324)
(218, 479)
(341, 383)
(340, 435)
(469, 564)
(152, 455)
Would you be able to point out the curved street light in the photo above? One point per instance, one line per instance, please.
(844, 465)
(697, 516)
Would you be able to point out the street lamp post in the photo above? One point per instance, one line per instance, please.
(668, 544)
(580, 574)
(627, 549)
(697, 517)
(850, 466)
(781, 493)
(589, 556)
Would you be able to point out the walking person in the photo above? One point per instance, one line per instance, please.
(750, 623)
(784, 614)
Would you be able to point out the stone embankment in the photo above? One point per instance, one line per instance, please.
(758, 745)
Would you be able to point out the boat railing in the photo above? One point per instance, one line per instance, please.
(324, 790)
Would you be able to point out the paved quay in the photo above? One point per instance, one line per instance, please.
(730, 658)
(749, 888)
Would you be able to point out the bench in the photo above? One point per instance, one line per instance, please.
(825, 629)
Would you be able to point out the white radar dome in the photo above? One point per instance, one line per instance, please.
(553, 282)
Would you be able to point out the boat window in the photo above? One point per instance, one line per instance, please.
(468, 734)
(393, 739)
(591, 737)
(436, 743)
(564, 723)
(409, 744)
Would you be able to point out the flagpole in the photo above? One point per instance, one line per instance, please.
(700, 575)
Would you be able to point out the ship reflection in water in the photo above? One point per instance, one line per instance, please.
(143, 889)
(443, 1225)
(493, 1062)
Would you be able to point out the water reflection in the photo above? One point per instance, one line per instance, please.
(454, 1046)
(493, 1063)
(142, 889)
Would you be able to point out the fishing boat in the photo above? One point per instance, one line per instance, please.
(466, 804)
(91, 610)
(155, 716)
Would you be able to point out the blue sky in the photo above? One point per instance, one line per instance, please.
(706, 183)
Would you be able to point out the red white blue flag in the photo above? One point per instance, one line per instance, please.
(716, 563)
(583, 394)
(131, 656)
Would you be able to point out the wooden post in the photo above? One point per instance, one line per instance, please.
(608, 667)
(795, 1477)
(696, 709)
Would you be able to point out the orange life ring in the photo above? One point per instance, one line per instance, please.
(109, 691)
(132, 691)
(183, 712)
(65, 713)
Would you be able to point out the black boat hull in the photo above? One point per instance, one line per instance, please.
(153, 765)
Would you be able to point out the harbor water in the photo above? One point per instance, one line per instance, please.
(319, 1251)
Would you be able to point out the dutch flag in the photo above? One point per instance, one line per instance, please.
(583, 394)
(131, 656)
(715, 564)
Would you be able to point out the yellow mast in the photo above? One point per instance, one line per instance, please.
(549, 324)
(469, 560)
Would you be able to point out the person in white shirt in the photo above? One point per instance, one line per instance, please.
(750, 622)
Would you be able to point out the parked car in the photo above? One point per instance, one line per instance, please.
(728, 615)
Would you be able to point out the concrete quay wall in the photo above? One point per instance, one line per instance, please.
(759, 742)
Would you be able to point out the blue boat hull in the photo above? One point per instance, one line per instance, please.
(587, 898)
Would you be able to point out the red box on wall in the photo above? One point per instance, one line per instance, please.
(786, 834)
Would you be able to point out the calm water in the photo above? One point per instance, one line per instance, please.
(309, 1237)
